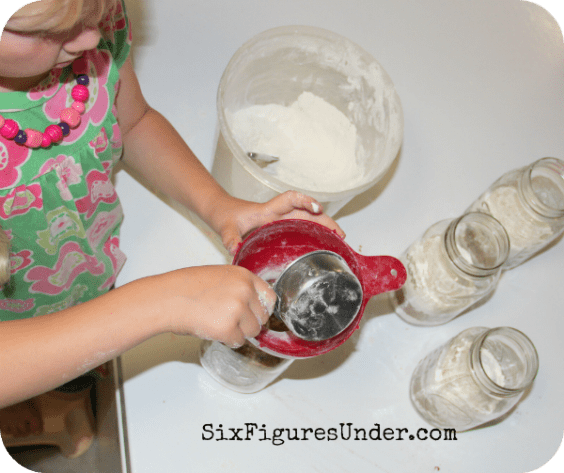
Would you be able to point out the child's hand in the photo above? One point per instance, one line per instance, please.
(243, 216)
(225, 303)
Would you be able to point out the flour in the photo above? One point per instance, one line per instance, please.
(446, 392)
(529, 203)
(527, 233)
(316, 143)
(492, 367)
(435, 291)
(267, 303)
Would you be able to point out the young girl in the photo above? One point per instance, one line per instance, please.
(70, 103)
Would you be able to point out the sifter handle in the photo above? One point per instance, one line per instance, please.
(381, 274)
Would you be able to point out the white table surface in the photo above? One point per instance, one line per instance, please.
(482, 87)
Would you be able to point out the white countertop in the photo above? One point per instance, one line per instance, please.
(482, 88)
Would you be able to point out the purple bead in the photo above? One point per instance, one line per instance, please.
(65, 128)
(21, 137)
(82, 79)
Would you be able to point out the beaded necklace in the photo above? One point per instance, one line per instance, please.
(70, 117)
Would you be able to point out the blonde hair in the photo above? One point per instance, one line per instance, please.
(4, 257)
(55, 16)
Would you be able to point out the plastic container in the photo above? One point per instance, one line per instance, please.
(246, 369)
(276, 66)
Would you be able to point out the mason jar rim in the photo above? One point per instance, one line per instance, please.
(479, 374)
(453, 252)
(556, 166)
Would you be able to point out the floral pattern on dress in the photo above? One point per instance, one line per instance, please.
(47, 87)
(20, 260)
(114, 21)
(17, 306)
(71, 300)
(103, 225)
(68, 171)
(100, 189)
(100, 143)
(117, 257)
(117, 144)
(21, 200)
(12, 157)
(71, 263)
(62, 224)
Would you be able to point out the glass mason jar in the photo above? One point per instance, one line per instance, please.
(452, 266)
(529, 203)
(246, 369)
(475, 378)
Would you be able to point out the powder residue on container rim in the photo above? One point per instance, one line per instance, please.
(316, 142)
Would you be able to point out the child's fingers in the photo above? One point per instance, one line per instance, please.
(326, 221)
(236, 342)
(305, 202)
(250, 326)
(291, 200)
(231, 240)
(307, 208)
(259, 305)
(292, 204)
(266, 299)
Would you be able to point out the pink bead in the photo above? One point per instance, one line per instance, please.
(80, 93)
(80, 66)
(46, 142)
(70, 116)
(2, 121)
(79, 107)
(34, 138)
(10, 129)
(54, 132)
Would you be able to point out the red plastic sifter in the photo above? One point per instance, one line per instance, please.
(270, 249)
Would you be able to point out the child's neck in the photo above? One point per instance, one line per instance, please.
(19, 84)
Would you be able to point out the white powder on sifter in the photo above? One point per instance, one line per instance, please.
(316, 143)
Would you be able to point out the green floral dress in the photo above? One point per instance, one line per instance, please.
(58, 205)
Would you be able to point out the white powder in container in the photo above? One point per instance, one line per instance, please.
(526, 233)
(446, 394)
(529, 203)
(434, 291)
(316, 142)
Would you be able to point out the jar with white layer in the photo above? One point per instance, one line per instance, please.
(529, 203)
(246, 369)
(455, 264)
(475, 378)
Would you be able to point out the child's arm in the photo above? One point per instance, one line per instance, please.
(226, 303)
(154, 149)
